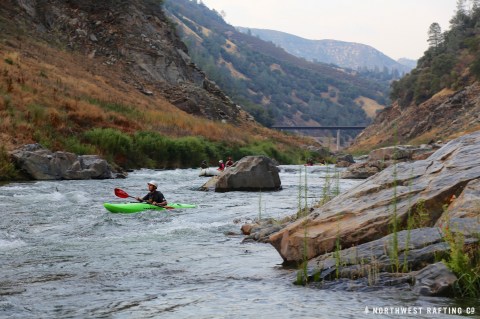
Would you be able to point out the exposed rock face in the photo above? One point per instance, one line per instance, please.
(448, 114)
(413, 253)
(466, 205)
(415, 249)
(42, 164)
(251, 173)
(132, 35)
(364, 213)
(381, 158)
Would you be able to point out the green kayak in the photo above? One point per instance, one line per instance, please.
(128, 208)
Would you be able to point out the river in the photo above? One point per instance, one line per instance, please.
(64, 256)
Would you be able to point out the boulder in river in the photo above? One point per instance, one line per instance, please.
(251, 173)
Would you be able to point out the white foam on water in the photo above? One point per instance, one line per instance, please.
(78, 197)
(6, 244)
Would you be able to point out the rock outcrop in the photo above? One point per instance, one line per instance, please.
(365, 213)
(381, 158)
(134, 36)
(40, 163)
(448, 114)
(251, 173)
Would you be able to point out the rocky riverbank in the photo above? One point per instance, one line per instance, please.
(38, 163)
(393, 228)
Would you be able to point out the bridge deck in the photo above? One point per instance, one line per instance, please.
(318, 127)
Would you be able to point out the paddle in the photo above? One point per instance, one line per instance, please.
(123, 194)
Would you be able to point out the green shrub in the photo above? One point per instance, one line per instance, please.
(464, 262)
(7, 169)
(72, 144)
(187, 150)
(151, 149)
(115, 145)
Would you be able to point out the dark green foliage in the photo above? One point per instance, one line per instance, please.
(444, 61)
(7, 169)
(114, 144)
(475, 67)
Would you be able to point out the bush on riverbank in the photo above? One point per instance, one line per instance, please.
(153, 150)
(7, 169)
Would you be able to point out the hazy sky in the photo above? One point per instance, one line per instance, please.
(398, 28)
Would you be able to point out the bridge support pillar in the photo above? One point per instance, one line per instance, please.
(338, 140)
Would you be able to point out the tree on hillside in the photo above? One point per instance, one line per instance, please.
(475, 5)
(460, 15)
(461, 6)
(435, 37)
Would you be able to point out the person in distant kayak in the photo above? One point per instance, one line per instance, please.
(204, 164)
(229, 162)
(154, 196)
(221, 166)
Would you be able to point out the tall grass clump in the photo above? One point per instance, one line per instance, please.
(116, 145)
(464, 262)
(183, 148)
(127, 110)
(302, 273)
(74, 145)
(393, 249)
(151, 149)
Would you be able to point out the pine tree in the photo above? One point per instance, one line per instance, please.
(475, 5)
(435, 36)
(460, 15)
(461, 7)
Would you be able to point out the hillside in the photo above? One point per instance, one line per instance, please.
(274, 86)
(440, 98)
(350, 55)
(113, 78)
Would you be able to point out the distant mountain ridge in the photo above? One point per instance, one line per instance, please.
(276, 87)
(344, 54)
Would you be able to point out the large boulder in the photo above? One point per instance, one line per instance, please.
(365, 213)
(251, 173)
(41, 164)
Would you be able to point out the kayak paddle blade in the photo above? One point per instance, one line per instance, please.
(121, 193)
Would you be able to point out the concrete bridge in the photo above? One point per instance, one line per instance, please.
(332, 128)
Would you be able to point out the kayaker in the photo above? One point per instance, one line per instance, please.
(229, 162)
(154, 196)
(221, 166)
(204, 164)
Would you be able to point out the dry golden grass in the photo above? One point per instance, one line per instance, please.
(230, 47)
(369, 106)
(276, 67)
(187, 30)
(43, 89)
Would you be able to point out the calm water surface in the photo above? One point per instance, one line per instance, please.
(64, 256)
